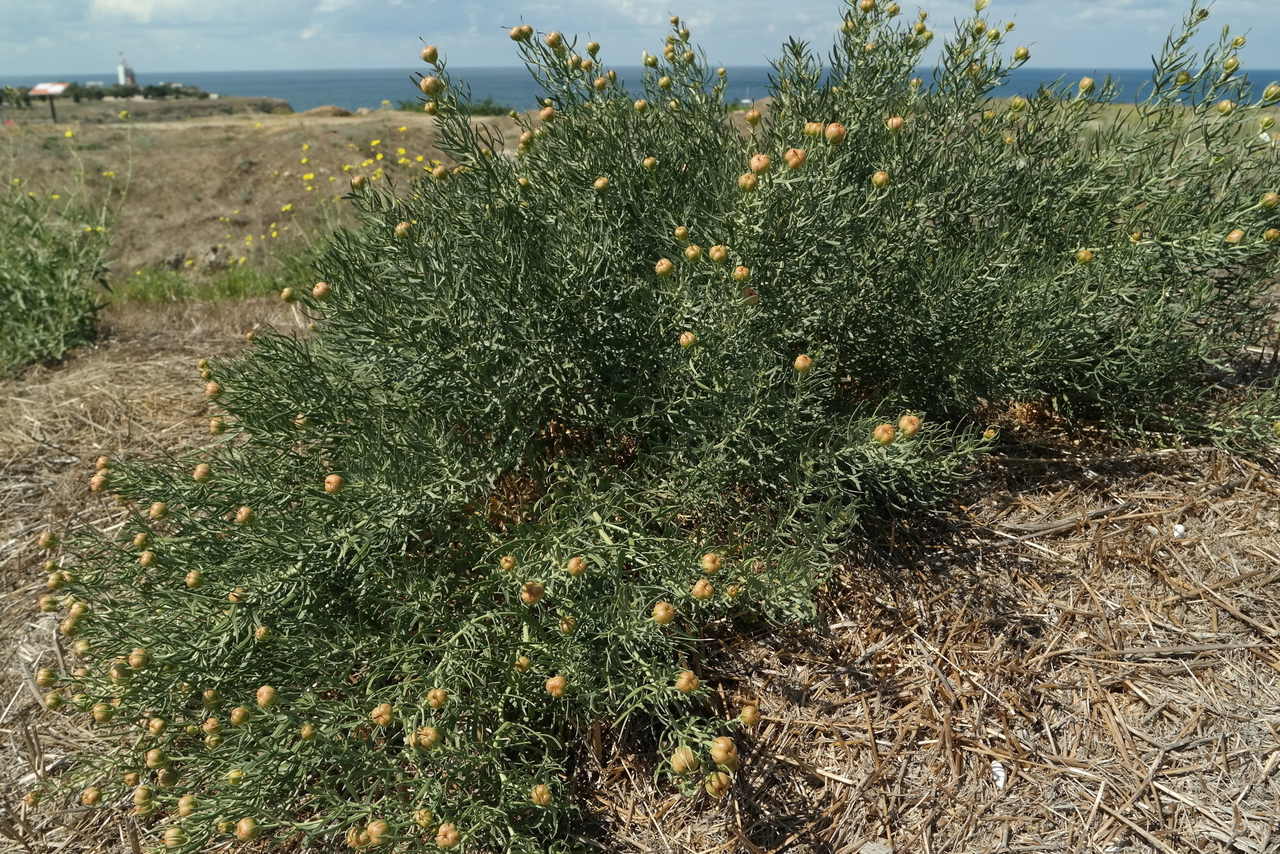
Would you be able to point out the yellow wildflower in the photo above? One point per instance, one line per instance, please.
(375, 142)
(306, 146)
(310, 176)
(68, 133)
(304, 161)
(286, 208)
(123, 114)
(402, 128)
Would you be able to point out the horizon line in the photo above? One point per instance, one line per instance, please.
(490, 68)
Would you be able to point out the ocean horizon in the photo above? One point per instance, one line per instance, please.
(512, 86)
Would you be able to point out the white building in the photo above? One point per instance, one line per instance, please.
(124, 74)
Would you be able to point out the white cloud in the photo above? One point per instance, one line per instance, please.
(143, 11)
(309, 33)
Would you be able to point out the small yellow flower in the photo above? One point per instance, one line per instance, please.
(306, 146)
(123, 114)
(55, 196)
(304, 161)
(332, 179)
(310, 176)
(68, 133)
(368, 161)
(375, 142)
(347, 167)
(402, 128)
(378, 156)
(108, 174)
(419, 158)
(257, 124)
(189, 263)
(310, 188)
(241, 260)
(286, 208)
(401, 151)
(275, 234)
(404, 161)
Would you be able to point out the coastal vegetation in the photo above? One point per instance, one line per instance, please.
(51, 267)
(568, 409)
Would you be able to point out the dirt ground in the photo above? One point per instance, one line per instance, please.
(1081, 654)
(199, 194)
(108, 112)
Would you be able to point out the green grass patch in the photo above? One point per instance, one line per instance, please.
(234, 282)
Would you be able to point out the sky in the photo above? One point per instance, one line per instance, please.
(63, 38)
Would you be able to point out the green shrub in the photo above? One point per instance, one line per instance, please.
(527, 361)
(49, 263)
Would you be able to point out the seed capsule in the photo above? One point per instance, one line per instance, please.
(687, 682)
(333, 483)
(437, 698)
(741, 274)
(909, 425)
(576, 566)
(880, 179)
(246, 830)
(531, 592)
(802, 364)
(556, 686)
(430, 54)
(684, 761)
(382, 714)
(664, 267)
(748, 181)
(663, 613)
(884, 434)
(717, 784)
(687, 339)
(835, 133)
(702, 589)
(759, 163)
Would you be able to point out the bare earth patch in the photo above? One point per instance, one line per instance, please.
(1082, 654)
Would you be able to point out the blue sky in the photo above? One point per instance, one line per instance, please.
(63, 38)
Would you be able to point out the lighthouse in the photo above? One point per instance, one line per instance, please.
(124, 74)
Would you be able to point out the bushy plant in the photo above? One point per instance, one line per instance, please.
(568, 411)
(50, 264)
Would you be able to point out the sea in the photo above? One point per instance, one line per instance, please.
(513, 87)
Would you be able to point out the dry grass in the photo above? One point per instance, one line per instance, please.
(1124, 675)
(195, 190)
